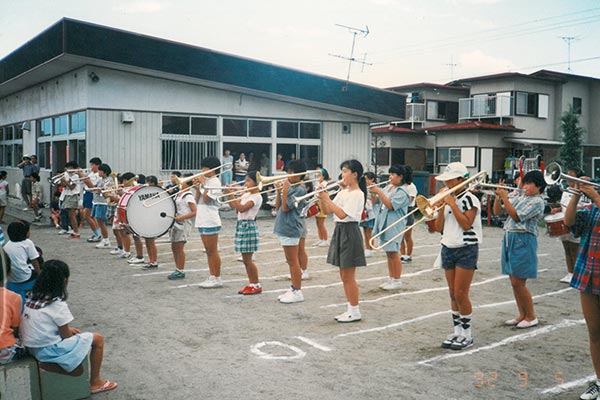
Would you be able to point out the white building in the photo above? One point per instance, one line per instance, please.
(151, 106)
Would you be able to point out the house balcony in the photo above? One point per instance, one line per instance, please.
(482, 107)
(415, 113)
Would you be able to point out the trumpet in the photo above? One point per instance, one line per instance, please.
(55, 180)
(490, 187)
(553, 175)
(428, 208)
(128, 183)
(334, 187)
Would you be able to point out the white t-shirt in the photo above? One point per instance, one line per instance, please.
(207, 214)
(94, 178)
(3, 186)
(565, 199)
(76, 190)
(250, 213)
(352, 202)
(412, 191)
(19, 254)
(183, 201)
(39, 328)
(454, 236)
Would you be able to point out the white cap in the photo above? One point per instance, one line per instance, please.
(26, 156)
(452, 171)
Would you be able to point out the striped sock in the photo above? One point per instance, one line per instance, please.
(456, 322)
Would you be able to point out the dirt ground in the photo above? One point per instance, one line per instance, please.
(172, 339)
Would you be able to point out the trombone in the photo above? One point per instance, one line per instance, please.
(378, 184)
(490, 187)
(267, 180)
(553, 175)
(227, 200)
(428, 208)
(55, 180)
(334, 187)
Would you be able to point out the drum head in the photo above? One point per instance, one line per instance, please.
(559, 216)
(148, 217)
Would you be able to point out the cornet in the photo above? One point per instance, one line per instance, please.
(553, 175)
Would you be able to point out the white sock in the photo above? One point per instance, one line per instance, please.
(465, 324)
(353, 310)
(255, 285)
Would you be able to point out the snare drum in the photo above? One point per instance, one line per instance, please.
(151, 220)
(556, 225)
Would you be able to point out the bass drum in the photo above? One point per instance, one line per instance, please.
(141, 212)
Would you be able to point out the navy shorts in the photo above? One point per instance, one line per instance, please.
(464, 257)
(87, 199)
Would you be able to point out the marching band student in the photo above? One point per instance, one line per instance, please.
(289, 228)
(369, 223)
(137, 241)
(519, 244)
(346, 250)
(411, 189)
(394, 204)
(151, 248)
(88, 198)
(321, 216)
(173, 185)
(100, 204)
(123, 249)
(585, 274)
(246, 231)
(71, 200)
(49, 338)
(24, 258)
(208, 220)
(186, 210)
(460, 225)
(302, 255)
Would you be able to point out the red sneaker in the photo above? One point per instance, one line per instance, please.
(250, 290)
(74, 236)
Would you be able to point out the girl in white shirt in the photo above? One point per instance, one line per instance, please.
(346, 250)
(246, 231)
(208, 220)
(46, 333)
(186, 210)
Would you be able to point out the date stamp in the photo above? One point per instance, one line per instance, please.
(489, 379)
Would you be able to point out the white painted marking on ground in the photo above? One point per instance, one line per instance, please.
(512, 339)
(313, 343)
(223, 248)
(569, 385)
(256, 349)
(438, 313)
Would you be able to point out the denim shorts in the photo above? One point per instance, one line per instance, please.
(288, 241)
(99, 211)
(213, 230)
(464, 257)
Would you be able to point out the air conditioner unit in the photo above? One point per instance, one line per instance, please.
(127, 117)
(26, 126)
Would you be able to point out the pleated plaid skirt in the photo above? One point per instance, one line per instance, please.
(246, 236)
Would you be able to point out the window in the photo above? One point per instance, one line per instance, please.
(11, 145)
(577, 105)
(45, 127)
(173, 125)
(8, 133)
(77, 122)
(382, 156)
(235, 127)
(259, 128)
(43, 154)
(526, 103)
(310, 156)
(185, 155)
(204, 126)
(448, 155)
(310, 130)
(287, 129)
(436, 110)
(61, 125)
(303, 130)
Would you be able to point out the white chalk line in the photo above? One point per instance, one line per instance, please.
(516, 338)
(221, 248)
(256, 349)
(313, 343)
(445, 312)
(568, 385)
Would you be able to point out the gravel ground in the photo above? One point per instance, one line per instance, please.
(173, 340)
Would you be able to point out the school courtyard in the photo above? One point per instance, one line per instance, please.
(172, 339)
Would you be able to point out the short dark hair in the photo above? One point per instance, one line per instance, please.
(151, 180)
(397, 169)
(176, 173)
(105, 168)
(3, 174)
(370, 175)
(72, 164)
(324, 173)
(17, 231)
(141, 179)
(56, 194)
(296, 166)
(95, 161)
(537, 178)
(210, 163)
(252, 175)
(126, 176)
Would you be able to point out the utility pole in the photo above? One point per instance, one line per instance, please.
(568, 40)
(451, 65)
(351, 59)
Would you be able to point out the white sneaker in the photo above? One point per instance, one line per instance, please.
(104, 244)
(281, 296)
(567, 278)
(292, 296)
(70, 231)
(323, 243)
(387, 281)
(317, 243)
(305, 275)
(393, 284)
(369, 253)
(135, 260)
(124, 255)
(62, 232)
(212, 282)
(116, 251)
(347, 317)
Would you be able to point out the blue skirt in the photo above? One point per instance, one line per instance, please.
(519, 255)
(68, 353)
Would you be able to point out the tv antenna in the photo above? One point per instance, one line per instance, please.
(451, 65)
(351, 59)
(568, 40)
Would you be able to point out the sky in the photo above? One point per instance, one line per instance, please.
(408, 41)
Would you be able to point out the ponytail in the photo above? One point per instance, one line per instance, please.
(362, 184)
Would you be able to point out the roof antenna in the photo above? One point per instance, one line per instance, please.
(451, 65)
(351, 59)
(568, 40)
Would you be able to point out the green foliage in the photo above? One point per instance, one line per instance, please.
(570, 152)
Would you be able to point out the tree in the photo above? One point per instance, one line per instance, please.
(570, 152)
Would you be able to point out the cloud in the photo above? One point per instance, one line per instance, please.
(477, 62)
(142, 7)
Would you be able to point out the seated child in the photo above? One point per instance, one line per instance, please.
(55, 209)
(47, 335)
(10, 316)
(23, 257)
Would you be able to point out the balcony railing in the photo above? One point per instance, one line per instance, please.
(415, 112)
(480, 107)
